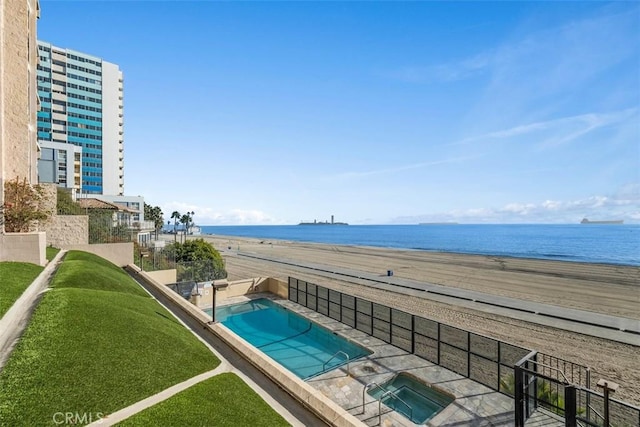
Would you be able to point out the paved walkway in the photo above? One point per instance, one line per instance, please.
(141, 405)
(619, 329)
(16, 319)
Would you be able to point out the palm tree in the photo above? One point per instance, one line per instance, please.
(186, 219)
(158, 219)
(176, 217)
(154, 213)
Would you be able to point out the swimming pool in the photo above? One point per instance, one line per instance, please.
(301, 346)
(412, 398)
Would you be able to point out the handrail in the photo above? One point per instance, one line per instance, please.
(527, 358)
(366, 387)
(628, 406)
(332, 357)
(386, 394)
(566, 380)
(596, 412)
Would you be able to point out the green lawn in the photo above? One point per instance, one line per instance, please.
(95, 344)
(51, 252)
(83, 270)
(15, 277)
(223, 400)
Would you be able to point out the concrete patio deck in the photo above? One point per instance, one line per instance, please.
(474, 405)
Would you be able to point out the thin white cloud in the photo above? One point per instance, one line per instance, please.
(209, 216)
(354, 174)
(445, 72)
(560, 131)
(624, 204)
(566, 55)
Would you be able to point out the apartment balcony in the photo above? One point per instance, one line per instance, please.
(59, 96)
(58, 55)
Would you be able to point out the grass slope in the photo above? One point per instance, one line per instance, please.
(223, 400)
(87, 271)
(51, 252)
(95, 344)
(15, 277)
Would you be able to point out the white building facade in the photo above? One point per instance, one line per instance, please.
(81, 100)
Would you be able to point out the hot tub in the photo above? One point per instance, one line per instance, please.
(414, 399)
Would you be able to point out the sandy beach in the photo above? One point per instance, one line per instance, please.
(607, 289)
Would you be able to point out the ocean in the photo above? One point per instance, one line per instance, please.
(608, 244)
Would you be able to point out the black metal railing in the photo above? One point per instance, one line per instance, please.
(480, 358)
(150, 258)
(562, 388)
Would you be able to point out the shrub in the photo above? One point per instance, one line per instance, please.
(21, 206)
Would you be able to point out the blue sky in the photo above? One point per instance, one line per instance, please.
(375, 112)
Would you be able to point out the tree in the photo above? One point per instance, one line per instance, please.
(154, 213)
(198, 260)
(66, 205)
(21, 206)
(186, 220)
(176, 217)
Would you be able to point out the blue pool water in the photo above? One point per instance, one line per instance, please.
(301, 346)
(411, 398)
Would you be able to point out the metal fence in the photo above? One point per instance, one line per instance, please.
(591, 411)
(185, 289)
(103, 228)
(164, 258)
(482, 359)
(563, 388)
(150, 258)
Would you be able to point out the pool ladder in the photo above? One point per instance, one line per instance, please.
(333, 357)
(385, 393)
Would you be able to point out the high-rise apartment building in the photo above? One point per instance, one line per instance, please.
(81, 105)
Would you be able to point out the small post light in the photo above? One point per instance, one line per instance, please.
(213, 309)
(607, 388)
(215, 286)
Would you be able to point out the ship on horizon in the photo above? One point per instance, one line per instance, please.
(316, 222)
(613, 221)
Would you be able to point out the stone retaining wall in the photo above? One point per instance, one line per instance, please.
(64, 231)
